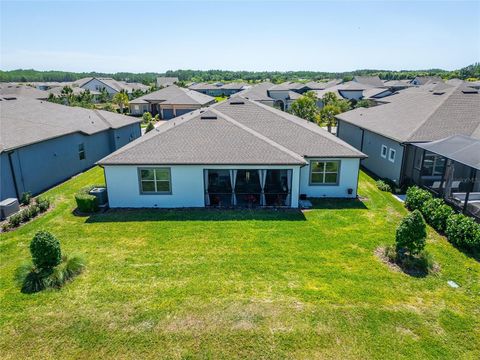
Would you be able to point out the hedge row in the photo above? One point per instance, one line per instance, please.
(460, 230)
(41, 205)
(86, 203)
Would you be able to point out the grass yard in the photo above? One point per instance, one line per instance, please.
(232, 284)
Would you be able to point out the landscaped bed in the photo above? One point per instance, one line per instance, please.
(258, 284)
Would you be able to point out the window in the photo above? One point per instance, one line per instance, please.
(418, 158)
(154, 180)
(324, 172)
(391, 155)
(81, 151)
(384, 152)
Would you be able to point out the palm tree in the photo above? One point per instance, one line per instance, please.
(120, 99)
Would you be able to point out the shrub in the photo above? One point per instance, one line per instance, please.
(463, 232)
(436, 213)
(149, 127)
(24, 215)
(383, 186)
(86, 203)
(416, 197)
(411, 234)
(5, 226)
(33, 210)
(391, 253)
(26, 198)
(45, 250)
(33, 282)
(421, 263)
(14, 220)
(147, 117)
(74, 265)
(43, 204)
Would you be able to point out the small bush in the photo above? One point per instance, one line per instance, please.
(391, 253)
(436, 213)
(463, 232)
(74, 265)
(411, 234)
(43, 204)
(24, 215)
(416, 197)
(26, 198)
(147, 117)
(34, 210)
(14, 220)
(383, 186)
(5, 226)
(149, 127)
(45, 250)
(421, 263)
(86, 203)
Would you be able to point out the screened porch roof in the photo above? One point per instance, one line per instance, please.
(459, 148)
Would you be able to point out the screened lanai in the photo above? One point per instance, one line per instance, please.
(451, 168)
(247, 187)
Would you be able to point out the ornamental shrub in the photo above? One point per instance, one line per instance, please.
(411, 234)
(463, 232)
(43, 204)
(436, 213)
(383, 186)
(147, 117)
(416, 197)
(149, 127)
(26, 198)
(45, 250)
(86, 203)
(14, 220)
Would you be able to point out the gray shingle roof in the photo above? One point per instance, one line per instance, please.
(243, 132)
(422, 114)
(176, 96)
(166, 81)
(26, 121)
(13, 89)
(257, 92)
(369, 80)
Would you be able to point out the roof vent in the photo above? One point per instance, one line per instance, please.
(10, 98)
(237, 102)
(208, 117)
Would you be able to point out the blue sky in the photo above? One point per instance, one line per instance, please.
(137, 36)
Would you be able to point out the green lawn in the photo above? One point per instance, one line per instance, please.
(254, 284)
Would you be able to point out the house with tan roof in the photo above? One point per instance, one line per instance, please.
(237, 152)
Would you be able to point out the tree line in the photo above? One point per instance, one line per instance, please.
(21, 75)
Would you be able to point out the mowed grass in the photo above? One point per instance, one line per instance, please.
(238, 284)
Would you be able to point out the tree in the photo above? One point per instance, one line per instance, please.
(149, 127)
(327, 116)
(103, 97)
(120, 99)
(411, 234)
(362, 103)
(306, 106)
(329, 98)
(147, 117)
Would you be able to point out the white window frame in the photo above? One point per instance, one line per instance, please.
(82, 154)
(390, 152)
(384, 147)
(324, 172)
(155, 192)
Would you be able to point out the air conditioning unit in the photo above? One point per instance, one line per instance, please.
(8, 207)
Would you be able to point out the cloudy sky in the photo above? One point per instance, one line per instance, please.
(111, 36)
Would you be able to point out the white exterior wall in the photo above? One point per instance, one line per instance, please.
(138, 109)
(187, 184)
(95, 85)
(348, 180)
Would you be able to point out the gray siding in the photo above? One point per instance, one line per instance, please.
(40, 166)
(372, 146)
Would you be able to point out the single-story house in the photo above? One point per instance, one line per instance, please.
(111, 86)
(43, 144)
(170, 102)
(373, 81)
(219, 88)
(426, 80)
(235, 153)
(421, 114)
(258, 93)
(163, 81)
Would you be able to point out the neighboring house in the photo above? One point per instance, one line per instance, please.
(163, 81)
(219, 88)
(416, 115)
(111, 86)
(286, 93)
(13, 90)
(258, 93)
(170, 102)
(426, 80)
(43, 144)
(235, 153)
